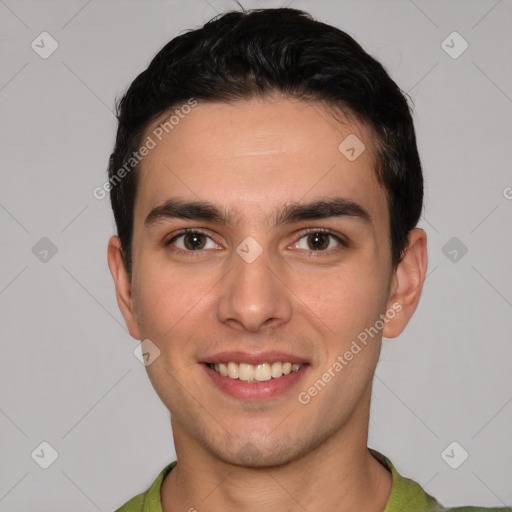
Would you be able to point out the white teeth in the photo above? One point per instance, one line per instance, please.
(262, 372)
(223, 370)
(277, 370)
(246, 372)
(233, 370)
(255, 373)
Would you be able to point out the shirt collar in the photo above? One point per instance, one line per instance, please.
(405, 493)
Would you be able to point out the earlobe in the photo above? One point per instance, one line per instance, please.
(122, 284)
(407, 285)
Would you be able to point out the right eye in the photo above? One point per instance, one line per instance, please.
(192, 240)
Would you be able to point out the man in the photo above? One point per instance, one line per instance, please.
(266, 187)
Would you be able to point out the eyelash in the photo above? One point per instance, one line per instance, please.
(199, 251)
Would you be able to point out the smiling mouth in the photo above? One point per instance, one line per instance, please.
(255, 373)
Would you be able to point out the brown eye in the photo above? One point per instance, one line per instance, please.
(193, 241)
(318, 241)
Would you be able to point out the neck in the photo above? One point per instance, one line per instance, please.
(340, 475)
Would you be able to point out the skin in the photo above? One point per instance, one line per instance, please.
(251, 158)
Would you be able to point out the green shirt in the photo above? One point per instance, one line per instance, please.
(406, 495)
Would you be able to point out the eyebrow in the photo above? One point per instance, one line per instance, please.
(286, 214)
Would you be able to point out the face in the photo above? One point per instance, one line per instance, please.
(258, 282)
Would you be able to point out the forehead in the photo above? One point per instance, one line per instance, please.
(252, 156)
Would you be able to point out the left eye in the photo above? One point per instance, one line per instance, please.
(318, 241)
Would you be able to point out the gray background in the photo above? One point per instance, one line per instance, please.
(68, 375)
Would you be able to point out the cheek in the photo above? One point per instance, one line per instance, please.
(162, 300)
(171, 298)
(344, 301)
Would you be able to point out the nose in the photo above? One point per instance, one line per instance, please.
(253, 295)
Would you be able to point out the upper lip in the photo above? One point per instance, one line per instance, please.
(253, 358)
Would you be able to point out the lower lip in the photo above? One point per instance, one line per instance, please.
(256, 390)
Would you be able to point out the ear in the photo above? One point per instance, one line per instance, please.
(407, 284)
(123, 286)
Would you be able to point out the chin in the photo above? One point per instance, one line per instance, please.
(259, 454)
